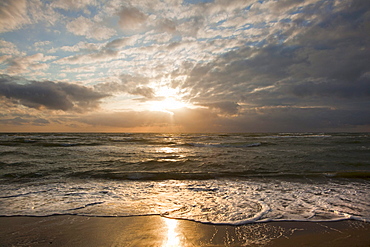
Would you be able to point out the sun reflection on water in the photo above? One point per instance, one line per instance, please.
(171, 154)
(168, 150)
(173, 238)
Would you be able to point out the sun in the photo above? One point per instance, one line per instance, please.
(167, 99)
(166, 105)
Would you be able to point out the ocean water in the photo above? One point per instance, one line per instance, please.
(211, 178)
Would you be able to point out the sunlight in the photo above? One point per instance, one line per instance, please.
(166, 105)
(167, 98)
(172, 234)
(167, 150)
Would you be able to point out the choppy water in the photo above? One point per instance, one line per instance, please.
(214, 178)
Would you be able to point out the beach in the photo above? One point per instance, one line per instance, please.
(71, 230)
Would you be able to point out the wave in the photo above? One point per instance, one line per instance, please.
(145, 176)
(142, 141)
(289, 135)
(18, 176)
(166, 167)
(225, 201)
(48, 144)
(220, 145)
(170, 175)
(12, 152)
(349, 174)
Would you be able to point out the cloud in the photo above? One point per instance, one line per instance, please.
(121, 42)
(262, 119)
(48, 94)
(24, 121)
(40, 122)
(167, 25)
(14, 121)
(130, 119)
(224, 107)
(358, 90)
(131, 18)
(280, 119)
(79, 69)
(4, 58)
(289, 70)
(147, 92)
(129, 85)
(40, 45)
(72, 4)
(189, 120)
(95, 52)
(196, 120)
(247, 65)
(82, 46)
(97, 56)
(13, 14)
(91, 30)
(23, 64)
(9, 48)
(302, 82)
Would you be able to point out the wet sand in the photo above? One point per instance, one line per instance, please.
(70, 230)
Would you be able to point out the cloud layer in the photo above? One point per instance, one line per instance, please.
(237, 65)
(48, 94)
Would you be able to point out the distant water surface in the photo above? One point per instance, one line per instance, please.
(212, 178)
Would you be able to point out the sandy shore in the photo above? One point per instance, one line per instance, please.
(159, 231)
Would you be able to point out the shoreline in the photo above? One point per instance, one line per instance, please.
(73, 230)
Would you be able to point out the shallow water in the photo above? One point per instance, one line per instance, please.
(214, 178)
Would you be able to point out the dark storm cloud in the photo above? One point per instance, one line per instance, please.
(48, 94)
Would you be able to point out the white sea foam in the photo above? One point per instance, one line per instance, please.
(211, 201)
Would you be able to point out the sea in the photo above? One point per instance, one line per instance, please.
(210, 178)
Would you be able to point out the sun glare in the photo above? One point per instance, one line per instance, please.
(173, 239)
(170, 100)
(167, 105)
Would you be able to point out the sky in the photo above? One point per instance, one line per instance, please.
(184, 65)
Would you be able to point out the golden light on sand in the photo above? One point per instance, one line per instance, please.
(173, 239)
